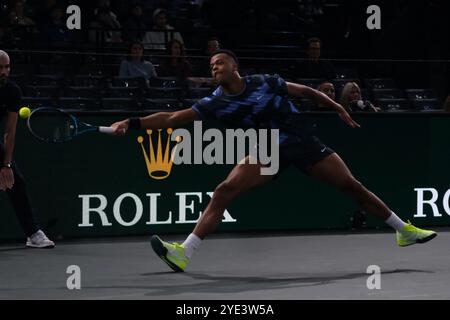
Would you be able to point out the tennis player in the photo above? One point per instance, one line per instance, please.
(11, 180)
(261, 101)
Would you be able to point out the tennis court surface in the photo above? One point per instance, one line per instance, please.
(276, 266)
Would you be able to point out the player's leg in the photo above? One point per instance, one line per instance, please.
(242, 178)
(24, 212)
(335, 172)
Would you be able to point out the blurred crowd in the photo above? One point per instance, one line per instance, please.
(153, 36)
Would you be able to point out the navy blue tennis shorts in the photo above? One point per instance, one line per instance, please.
(303, 154)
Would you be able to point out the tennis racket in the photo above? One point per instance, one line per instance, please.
(57, 126)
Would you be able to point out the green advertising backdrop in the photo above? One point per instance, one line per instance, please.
(392, 154)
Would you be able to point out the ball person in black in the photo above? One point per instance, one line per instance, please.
(11, 180)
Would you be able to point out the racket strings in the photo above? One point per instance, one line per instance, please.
(52, 126)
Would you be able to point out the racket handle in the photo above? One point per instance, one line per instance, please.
(107, 130)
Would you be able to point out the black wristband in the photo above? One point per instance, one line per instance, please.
(134, 123)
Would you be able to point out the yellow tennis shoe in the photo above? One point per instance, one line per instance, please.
(171, 253)
(412, 235)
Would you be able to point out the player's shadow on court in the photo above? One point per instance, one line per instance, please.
(232, 284)
(14, 249)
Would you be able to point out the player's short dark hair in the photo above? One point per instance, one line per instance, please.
(228, 53)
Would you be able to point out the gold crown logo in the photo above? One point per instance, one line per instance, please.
(158, 167)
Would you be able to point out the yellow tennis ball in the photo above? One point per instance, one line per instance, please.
(24, 112)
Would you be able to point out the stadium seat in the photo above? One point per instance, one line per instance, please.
(387, 94)
(166, 82)
(93, 70)
(42, 91)
(393, 104)
(46, 80)
(426, 104)
(119, 104)
(85, 80)
(161, 104)
(82, 92)
(161, 92)
(417, 94)
(77, 103)
(380, 83)
(124, 92)
(129, 82)
(22, 69)
(346, 73)
(35, 102)
(59, 69)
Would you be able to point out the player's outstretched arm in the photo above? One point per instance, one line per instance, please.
(298, 90)
(157, 120)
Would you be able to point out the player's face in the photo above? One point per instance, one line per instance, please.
(222, 67)
(4, 68)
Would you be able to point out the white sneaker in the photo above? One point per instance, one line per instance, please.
(39, 240)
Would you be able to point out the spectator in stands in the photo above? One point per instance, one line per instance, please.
(44, 11)
(22, 25)
(351, 99)
(175, 64)
(161, 33)
(212, 45)
(134, 26)
(327, 88)
(447, 104)
(18, 17)
(135, 65)
(56, 30)
(105, 26)
(203, 69)
(314, 66)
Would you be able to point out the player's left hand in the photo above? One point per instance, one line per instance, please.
(345, 116)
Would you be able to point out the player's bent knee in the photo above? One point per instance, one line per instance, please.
(225, 192)
(352, 187)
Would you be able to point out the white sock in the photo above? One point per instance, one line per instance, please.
(395, 222)
(191, 244)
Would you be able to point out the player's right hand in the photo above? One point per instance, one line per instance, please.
(6, 179)
(120, 127)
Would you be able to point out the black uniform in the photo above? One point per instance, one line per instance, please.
(10, 96)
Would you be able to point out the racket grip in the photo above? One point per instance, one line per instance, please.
(107, 130)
